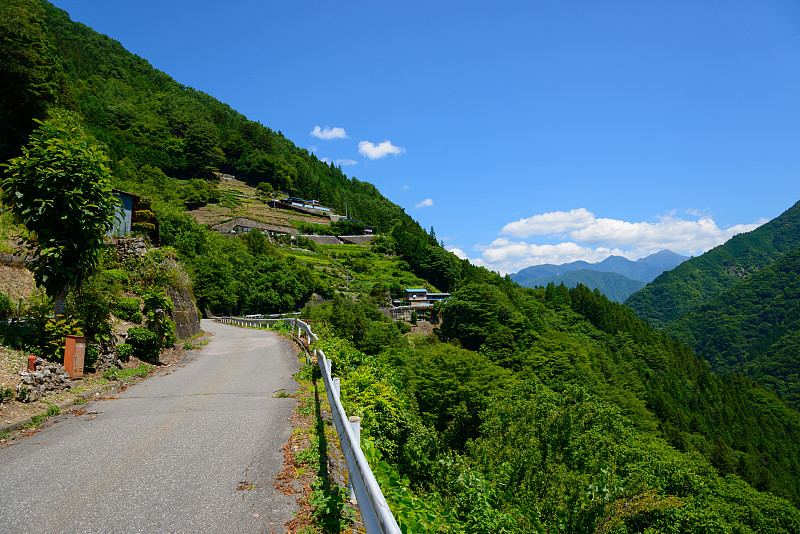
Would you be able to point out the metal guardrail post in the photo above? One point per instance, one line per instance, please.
(375, 512)
(355, 426)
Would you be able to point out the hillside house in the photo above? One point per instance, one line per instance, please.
(421, 297)
(242, 224)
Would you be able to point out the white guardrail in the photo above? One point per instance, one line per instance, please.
(375, 513)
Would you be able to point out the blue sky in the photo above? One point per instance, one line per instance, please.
(523, 132)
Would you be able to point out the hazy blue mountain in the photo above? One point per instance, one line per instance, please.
(613, 285)
(644, 269)
(616, 277)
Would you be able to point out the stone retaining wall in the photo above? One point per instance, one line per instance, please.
(47, 378)
(185, 314)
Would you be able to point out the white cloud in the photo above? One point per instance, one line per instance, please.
(425, 203)
(554, 222)
(460, 254)
(508, 256)
(405, 187)
(592, 240)
(329, 133)
(679, 235)
(372, 151)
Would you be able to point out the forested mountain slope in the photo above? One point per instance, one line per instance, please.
(753, 328)
(700, 279)
(152, 125)
(554, 409)
(613, 285)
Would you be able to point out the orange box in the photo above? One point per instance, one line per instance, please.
(74, 353)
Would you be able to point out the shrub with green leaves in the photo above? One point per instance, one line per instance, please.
(6, 393)
(144, 342)
(119, 275)
(128, 309)
(5, 306)
(92, 353)
(124, 352)
(56, 331)
(91, 304)
(157, 306)
(156, 268)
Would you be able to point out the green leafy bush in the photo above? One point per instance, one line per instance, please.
(266, 188)
(128, 309)
(124, 352)
(119, 275)
(56, 331)
(91, 304)
(6, 393)
(157, 306)
(144, 343)
(5, 306)
(156, 268)
(92, 353)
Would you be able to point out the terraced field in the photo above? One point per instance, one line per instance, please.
(241, 200)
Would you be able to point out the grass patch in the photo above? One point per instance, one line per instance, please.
(193, 344)
(37, 420)
(130, 374)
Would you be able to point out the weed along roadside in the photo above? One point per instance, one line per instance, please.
(314, 463)
(314, 467)
(344, 490)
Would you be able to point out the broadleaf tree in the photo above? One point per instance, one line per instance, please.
(60, 188)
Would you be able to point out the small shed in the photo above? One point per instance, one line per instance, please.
(128, 204)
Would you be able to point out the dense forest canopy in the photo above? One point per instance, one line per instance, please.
(737, 305)
(753, 328)
(549, 409)
(527, 409)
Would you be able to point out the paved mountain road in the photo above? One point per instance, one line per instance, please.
(170, 453)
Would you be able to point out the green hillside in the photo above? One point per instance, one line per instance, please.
(700, 279)
(153, 127)
(525, 410)
(753, 328)
(613, 285)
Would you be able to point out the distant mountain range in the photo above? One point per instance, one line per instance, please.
(616, 277)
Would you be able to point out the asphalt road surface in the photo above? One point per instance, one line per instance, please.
(196, 449)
